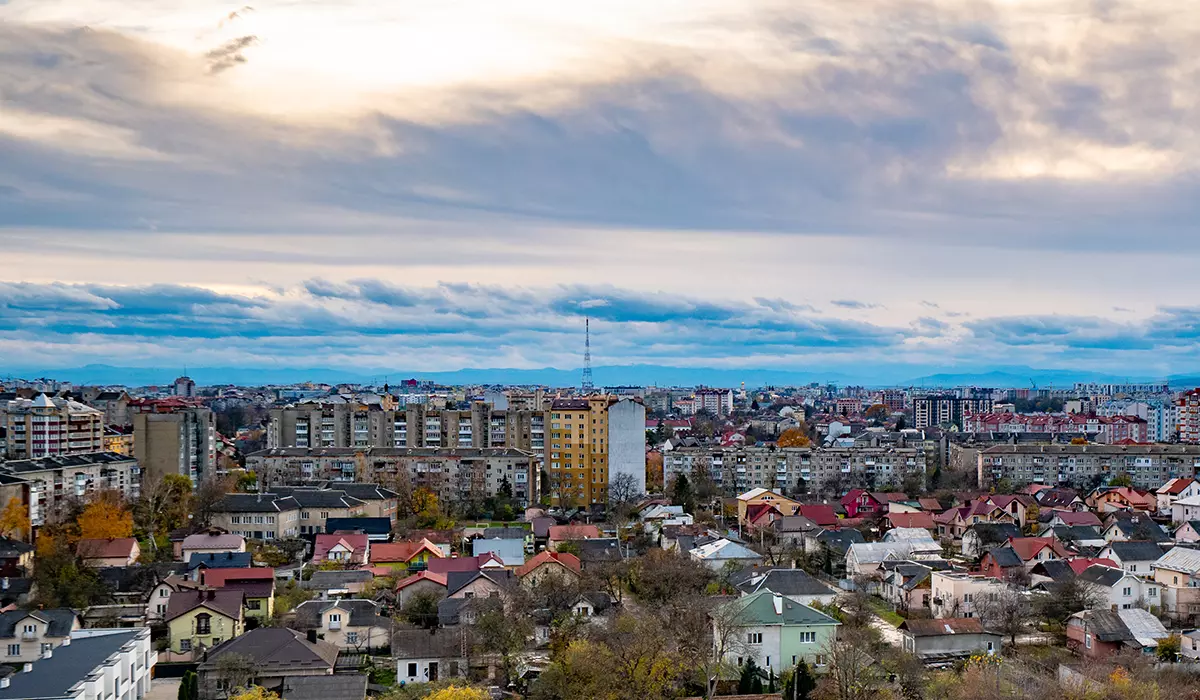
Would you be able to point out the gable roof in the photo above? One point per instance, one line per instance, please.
(114, 548)
(221, 560)
(840, 540)
(218, 577)
(59, 621)
(1139, 529)
(1071, 517)
(821, 513)
(1181, 559)
(1028, 547)
(564, 559)
(362, 613)
(1004, 557)
(396, 552)
(426, 575)
(275, 651)
(1100, 575)
(767, 608)
(205, 540)
(785, 582)
(994, 533)
(225, 601)
(573, 532)
(1055, 569)
(911, 520)
(357, 544)
(13, 548)
(1175, 486)
(1135, 550)
(943, 627)
(335, 579)
(1081, 564)
(1127, 625)
(457, 580)
(724, 549)
(448, 564)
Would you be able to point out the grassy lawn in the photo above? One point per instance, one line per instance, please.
(883, 611)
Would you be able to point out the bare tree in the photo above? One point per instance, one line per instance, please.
(623, 493)
(852, 674)
(1007, 612)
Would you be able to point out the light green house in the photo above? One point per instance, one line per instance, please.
(773, 631)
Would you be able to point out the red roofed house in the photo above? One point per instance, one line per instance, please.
(1033, 550)
(445, 565)
(410, 554)
(564, 533)
(257, 584)
(762, 515)
(1080, 564)
(1107, 500)
(348, 550)
(860, 503)
(954, 522)
(120, 551)
(546, 565)
(922, 520)
(420, 582)
(1072, 518)
(822, 514)
(1175, 489)
(217, 578)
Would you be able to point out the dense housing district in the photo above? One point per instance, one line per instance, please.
(459, 542)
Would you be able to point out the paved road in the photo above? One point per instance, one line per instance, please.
(890, 634)
(163, 689)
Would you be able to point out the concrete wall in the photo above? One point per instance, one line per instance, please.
(627, 442)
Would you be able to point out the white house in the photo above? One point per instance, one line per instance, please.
(425, 656)
(1174, 490)
(955, 593)
(1134, 557)
(716, 554)
(1122, 590)
(1186, 509)
(92, 663)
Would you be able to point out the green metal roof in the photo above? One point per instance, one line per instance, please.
(766, 608)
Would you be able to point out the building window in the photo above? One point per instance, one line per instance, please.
(185, 645)
(412, 670)
(14, 649)
(254, 604)
(808, 637)
(352, 637)
(203, 623)
(819, 659)
(754, 638)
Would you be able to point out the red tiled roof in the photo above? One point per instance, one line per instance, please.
(565, 559)
(1028, 547)
(439, 579)
(820, 513)
(1070, 517)
(448, 564)
(574, 532)
(1080, 564)
(922, 520)
(218, 578)
(1175, 486)
(358, 544)
(106, 549)
(402, 552)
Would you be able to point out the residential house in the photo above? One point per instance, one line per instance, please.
(907, 585)
(773, 631)
(378, 502)
(1002, 563)
(1125, 528)
(716, 555)
(429, 655)
(760, 496)
(16, 557)
(603, 550)
(1101, 633)
(405, 556)
(1122, 498)
(793, 529)
(1033, 550)
(1080, 537)
(339, 583)
(130, 590)
(352, 625)
(954, 522)
(421, 582)
(1175, 489)
(956, 594)
(1134, 557)
(283, 660)
(860, 503)
(548, 565)
(820, 513)
(1178, 573)
(794, 584)
(510, 551)
(376, 529)
(94, 664)
(1071, 518)
(203, 618)
(318, 505)
(160, 595)
(865, 559)
(28, 634)
(120, 551)
(1122, 590)
(571, 533)
(344, 550)
(1188, 532)
(1185, 509)
(1045, 575)
(1190, 646)
(1060, 499)
(948, 638)
(920, 520)
(980, 537)
(258, 516)
(211, 541)
(475, 563)
(199, 563)
(1016, 506)
(256, 583)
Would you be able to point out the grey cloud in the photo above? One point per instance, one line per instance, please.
(853, 304)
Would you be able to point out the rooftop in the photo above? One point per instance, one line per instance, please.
(54, 677)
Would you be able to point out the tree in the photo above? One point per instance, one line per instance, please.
(681, 493)
(1079, 441)
(853, 674)
(793, 437)
(1169, 648)
(876, 412)
(163, 506)
(663, 576)
(105, 518)
(14, 520)
(256, 692)
(622, 496)
(236, 671)
(750, 674)
(801, 684)
(654, 472)
(422, 609)
(662, 433)
(209, 492)
(458, 693)
(188, 688)
(501, 634)
(1066, 598)
(1006, 611)
(901, 424)
(1120, 480)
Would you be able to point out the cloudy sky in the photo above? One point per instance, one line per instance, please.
(436, 184)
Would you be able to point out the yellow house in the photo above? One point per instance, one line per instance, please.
(405, 556)
(203, 618)
(755, 497)
(257, 584)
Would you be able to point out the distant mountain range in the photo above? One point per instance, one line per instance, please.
(609, 375)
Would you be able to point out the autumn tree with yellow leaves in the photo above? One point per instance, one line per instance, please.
(793, 437)
(106, 517)
(14, 519)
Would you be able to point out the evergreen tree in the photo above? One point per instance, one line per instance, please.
(771, 682)
(756, 686)
(682, 494)
(750, 674)
(801, 684)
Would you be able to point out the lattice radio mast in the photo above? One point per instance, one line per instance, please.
(586, 384)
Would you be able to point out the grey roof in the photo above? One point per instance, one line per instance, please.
(1136, 551)
(541, 526)
(794, 523)
(449, 610)
(327, 580)
(1133, 624)
(59, 621)
(367, 492)
(995, 533)
(368, 452)
(10, 548)
(363, 613)
(1056, 569)
(1101, 575)
(21, 466)
(313, 498)
(134, 579)
(1143, 529)
(276, 650)
(340, 686)
(505, 533)
(457, 579)
(369, 526)
(786, 582)
(53, 677)
(1005, 557)
(1073, 532)
(599, 549)
(221, 560)
(410, 642)
(1180, 559)
(253, 503)
(840, 540)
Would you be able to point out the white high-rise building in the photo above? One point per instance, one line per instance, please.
(627, 442)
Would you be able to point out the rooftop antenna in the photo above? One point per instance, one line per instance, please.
(586, 384)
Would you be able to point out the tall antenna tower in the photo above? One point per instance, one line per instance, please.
(586, 385)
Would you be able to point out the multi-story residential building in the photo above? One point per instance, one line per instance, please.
(27, 635)
(453, 474)
(943, 409)
(44, 427)
(627, 442)
(1188, 415)
(794, 470)
(173, 436)
(1102, 429)
(1099, 389)
(894, 399)
(1084, 466)
(97, 663)
(958, 594)
(718, 402)
(114, 403)
(374, 424)
(592, 441)
(56, 482)
(184, 387)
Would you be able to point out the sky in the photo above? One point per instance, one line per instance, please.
(443, 184)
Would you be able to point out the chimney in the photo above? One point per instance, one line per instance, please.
(212, 594)
(312, 636)
(4, 583)
(48, 653)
